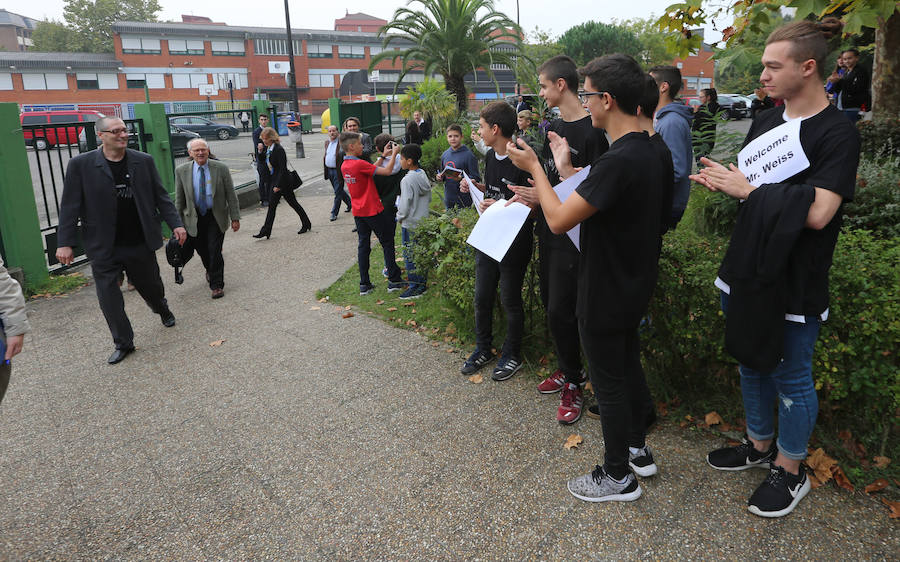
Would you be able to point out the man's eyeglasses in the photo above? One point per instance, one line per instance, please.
(584, 96)
(114, 131)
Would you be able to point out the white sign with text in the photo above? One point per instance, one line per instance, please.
(774, 156)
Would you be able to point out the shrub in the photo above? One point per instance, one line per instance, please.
(712, 213)
(876, 205)
(880, 138)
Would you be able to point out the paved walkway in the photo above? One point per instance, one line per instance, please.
(308, 436)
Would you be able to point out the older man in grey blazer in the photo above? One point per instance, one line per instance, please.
(205, 199)
(119, 197)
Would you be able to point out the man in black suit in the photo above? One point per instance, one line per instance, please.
(119, 197)
(259, 154)
(423, 124)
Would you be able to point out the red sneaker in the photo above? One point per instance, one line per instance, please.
(553, 383)
(570, 403)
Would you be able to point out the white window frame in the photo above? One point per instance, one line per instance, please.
(56, 81)
(6, 82)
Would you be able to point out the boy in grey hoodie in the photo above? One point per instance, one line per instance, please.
(673, 123)
(412, 206)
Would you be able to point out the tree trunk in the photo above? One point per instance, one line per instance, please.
(886, 69)
(457, 86)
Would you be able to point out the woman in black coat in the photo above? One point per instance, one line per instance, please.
(280, 180)
(703, 126)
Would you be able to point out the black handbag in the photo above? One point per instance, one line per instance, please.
(296, 181)
(178, 255)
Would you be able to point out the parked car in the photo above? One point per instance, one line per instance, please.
(205, 127)
(178, 138)
(55, 131)
(734, 105)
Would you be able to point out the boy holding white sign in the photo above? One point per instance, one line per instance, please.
(497, 125)
(805, 147)
(619, 206)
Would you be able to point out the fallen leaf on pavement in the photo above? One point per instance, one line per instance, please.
(713, 418)
(449, 350)
(821, 464)
(893, 506)
(347, 315)
(392, 308)
(323, 299)
(409, 304)
(573, 441)
(476, 379)
(348, 307)
(379, 301)
(216, 343)
(881, 462)
(435, 344)
(841, 479)
(315, 308)
(877, 485)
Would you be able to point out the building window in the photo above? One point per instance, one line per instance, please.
(276, 47)
(227, 48)
(198, 80)
(375, 50)
(318, 51)
(108, 81)
(87, 81)
(351, 51)
(321, 81)
(141, 46)
(45, 82)
(181, 80)
(137, 80)
(6, 82)
(186, 47)
(238, 80)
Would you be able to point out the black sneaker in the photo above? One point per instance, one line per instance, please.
(741, 457)
(365, 289)
(779, 493)
(642, 463)
(396, 286)
(476, 361)
(593, 411)
(506, 367)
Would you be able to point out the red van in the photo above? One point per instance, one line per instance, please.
(52, 134)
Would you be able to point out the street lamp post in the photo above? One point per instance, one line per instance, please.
(293, 80)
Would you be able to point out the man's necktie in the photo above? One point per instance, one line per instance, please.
(203, 207)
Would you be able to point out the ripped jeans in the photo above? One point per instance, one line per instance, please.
(790, 385)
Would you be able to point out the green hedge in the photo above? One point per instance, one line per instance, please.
(856, 367)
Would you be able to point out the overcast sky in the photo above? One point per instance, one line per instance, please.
(551, 15)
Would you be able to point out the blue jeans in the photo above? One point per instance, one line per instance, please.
(339, 193)
(414, 278)
(790, 385)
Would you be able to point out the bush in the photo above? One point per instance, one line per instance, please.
(712, 213)
(876, 205)
(880, 138)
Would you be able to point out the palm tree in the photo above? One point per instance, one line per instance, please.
(451, 38)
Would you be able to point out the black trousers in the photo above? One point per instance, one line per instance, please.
(384, 228)
(274, 198)
(5, 372)
(509, 274)
(208, 245)
(559, 293)
(626, 407)
(139, 263)
(265, 190)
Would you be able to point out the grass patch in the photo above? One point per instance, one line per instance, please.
(56, 285)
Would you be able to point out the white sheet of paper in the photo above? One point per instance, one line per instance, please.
(497, 228)
(477, 195)
(566, 188)
(774, 156)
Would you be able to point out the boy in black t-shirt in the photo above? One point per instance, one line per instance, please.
(497, 124)
(619, 206)
(793, 64)
(559, 257)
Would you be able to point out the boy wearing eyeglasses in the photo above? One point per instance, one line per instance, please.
(619, 207)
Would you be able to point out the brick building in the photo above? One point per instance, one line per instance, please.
(174, 59)
(15, 31)
(697, 70)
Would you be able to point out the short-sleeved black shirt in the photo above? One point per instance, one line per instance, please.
(620, 242)
(831, 144)
(588, 143)
(497, 169)
(128, 222)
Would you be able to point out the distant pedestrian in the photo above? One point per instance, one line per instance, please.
(13, 324)
(423, 124)
(205, 199)
(412, 136)
(703, 126)
(332, 160)
(853, 88)
(762, 102)
(245, 121)
(521, 105)
(259, 155)
(119, 198)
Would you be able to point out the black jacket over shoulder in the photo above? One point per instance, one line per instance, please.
(89, 194)
(769, 223)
